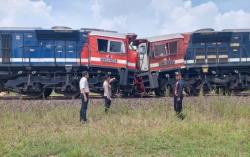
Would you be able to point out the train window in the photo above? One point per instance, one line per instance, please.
(102, 45)
(159, 50)
(173, 47)
(116, 47)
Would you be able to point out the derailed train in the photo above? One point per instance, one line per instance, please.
(36, 61)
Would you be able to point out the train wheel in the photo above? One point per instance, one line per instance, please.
(47, 92)
(158, 93)
(166, 91)
(194, 91)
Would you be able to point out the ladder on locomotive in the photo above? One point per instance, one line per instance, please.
(6, 43)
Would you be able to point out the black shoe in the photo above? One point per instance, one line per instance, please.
(181, 116)
(106, 110)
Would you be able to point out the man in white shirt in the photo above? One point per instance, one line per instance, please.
(107, 92)
(84, 89)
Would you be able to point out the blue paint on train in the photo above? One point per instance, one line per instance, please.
(32, 47)
(215, 48)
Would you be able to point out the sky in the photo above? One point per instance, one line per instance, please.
(143, 17)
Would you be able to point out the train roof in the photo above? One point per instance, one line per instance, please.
(165, 37)
(20, 28)
(236, 30)
(224, 30)
(108, 34)
(36, 28)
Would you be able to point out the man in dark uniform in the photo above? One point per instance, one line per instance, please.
(178, 95)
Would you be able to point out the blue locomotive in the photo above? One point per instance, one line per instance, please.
(218, 60)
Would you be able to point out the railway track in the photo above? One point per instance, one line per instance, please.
(98, 97)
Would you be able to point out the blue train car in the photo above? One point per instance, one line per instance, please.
(27, 52)
(218, 60)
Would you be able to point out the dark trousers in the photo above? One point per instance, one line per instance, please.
(178, 104)
(107, 103)
(84, 108)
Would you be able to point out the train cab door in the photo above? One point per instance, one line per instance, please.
(143, 57)
(71, 53)
(18, 48)
(6, 44)
(60, 51)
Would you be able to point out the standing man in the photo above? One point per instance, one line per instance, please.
(178, 95)
(84, 89)
(107, 92)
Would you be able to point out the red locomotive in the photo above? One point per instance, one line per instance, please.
(159, 58)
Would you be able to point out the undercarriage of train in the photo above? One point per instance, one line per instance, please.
(202, 81)
(40, 83)
(223, 81)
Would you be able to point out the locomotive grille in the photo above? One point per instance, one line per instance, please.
(200, 56)
(223, 55)
(6, 47)
(211, 55)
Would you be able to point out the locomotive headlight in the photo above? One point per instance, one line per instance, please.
(236, 71)
(33, 72)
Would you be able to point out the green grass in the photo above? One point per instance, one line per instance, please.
(217, 126)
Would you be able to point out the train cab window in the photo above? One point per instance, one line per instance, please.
(173, 47)
(102, 45)
(116, 47)
(159, 50)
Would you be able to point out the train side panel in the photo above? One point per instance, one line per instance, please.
(218, 61)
